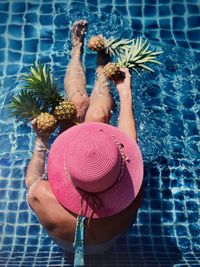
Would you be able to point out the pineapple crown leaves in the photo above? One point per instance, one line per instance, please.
(25, 106)
(40, 82)
(114, 46)
(137, 55)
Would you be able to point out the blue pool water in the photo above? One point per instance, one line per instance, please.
(166, 104)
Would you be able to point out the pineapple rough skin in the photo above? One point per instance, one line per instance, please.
(46, 121)
(111, 71)
(66, 110)
(96, 43)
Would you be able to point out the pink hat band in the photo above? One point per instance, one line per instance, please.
(98, 164)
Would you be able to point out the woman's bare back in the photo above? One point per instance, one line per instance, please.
(61, 223)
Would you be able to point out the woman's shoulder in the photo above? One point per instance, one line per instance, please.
(48, 210)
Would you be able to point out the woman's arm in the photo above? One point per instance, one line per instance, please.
(126, 121)
(36, 166)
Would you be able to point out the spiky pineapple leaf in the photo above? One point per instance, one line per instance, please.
(24, 106)
(138, 73)
(146, 67)
(137, 56)
(40, 82)
(114, 46)
(154, 61)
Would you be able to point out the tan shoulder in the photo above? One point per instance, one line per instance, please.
(49, 211)
(38, 192)
(43, 203)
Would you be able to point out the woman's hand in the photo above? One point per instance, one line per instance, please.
(36, 166)
(124, 85)
(44, 135)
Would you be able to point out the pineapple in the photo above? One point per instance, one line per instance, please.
(96, 43)
(65, 110)
(40, 83)
(39, 98)
(26, 106)
(46, 121)
(134, 57)
(111, 46)
(111, 71)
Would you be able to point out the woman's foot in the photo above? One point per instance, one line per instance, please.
(78, 31)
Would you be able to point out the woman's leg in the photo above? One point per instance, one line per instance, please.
(100, 100)
(75, 81)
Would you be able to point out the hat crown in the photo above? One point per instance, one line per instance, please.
(93, 161)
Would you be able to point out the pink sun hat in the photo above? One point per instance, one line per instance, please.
(94, 168)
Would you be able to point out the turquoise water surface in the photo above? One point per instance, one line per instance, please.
(166, 105)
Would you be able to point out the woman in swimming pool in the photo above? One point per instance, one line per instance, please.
(95, 170)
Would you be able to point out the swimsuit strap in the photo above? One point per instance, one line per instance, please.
(79, 242)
